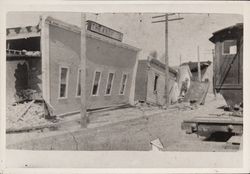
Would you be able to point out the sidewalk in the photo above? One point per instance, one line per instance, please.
(72, 123)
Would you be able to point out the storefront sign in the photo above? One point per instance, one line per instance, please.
(105, 31)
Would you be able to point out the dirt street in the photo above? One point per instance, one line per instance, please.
(131, 134)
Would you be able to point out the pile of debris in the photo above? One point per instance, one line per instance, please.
(184, 106)
(11, 52)
(26, 114)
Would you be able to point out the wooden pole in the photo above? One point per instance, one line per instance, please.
(166, 54)
(199, 66)
(214, 70)
(84, 117)
(166, 65)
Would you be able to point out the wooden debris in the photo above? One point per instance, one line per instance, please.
(197, 92)
(25, 110)
(48, 110)
(24, 115)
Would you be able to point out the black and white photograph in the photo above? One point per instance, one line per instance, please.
(169, 82)
(114, 82)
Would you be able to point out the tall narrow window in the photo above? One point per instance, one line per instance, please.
(96, 83)
(78, 87)
(109, 83)
(156, 82)
(229, 47)
(63, 82)
(123, 84)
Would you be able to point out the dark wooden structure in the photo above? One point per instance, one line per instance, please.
(228, 80)
(228, 63)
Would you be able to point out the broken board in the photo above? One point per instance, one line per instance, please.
(197, 92)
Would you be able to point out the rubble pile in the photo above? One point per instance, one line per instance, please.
(18, 117)
(26, 94)
(23, 53)
(32, 53)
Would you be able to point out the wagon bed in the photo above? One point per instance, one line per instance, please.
(205, 126)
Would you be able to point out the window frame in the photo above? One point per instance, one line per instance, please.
(77, 81)
(93, 81)
(124, 85)
(67, 82)
(111, 72)
(156, 84)
(223, 45)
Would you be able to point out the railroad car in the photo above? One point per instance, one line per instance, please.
(228, 63)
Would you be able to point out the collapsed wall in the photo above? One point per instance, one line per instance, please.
(23, 69)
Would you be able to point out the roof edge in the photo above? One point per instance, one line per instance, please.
(76, 29)
(236, 26)
(162, 65)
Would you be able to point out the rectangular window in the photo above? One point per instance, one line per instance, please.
(123, 84)
(96, 83)
(63, 88)
(78, 87)
(109, 83)
(229, 47)
(156, 82)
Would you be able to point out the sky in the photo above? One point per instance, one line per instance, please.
(138, 30)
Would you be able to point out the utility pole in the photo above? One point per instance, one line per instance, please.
(166, 64)
(166, 52)
(199, 65)
(84, 116)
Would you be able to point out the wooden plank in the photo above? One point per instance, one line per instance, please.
(48, 110)
(199, 65)
(215, 120)
(26, 108)
(205, 94)
(133, 82)
(196, 92)
(32, 128)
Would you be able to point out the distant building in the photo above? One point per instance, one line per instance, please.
(190, 70)
(46, 58)
(150, 82)
(193, 66)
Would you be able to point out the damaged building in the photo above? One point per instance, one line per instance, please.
(150, 82)
(190, 70)
(193, 66)
(44, 61)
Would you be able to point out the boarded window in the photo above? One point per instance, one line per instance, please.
(96, 82)
(63, 82)
(156, 82)
(123, 84)
(78, 87)
(229, 47)
(109, 83)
